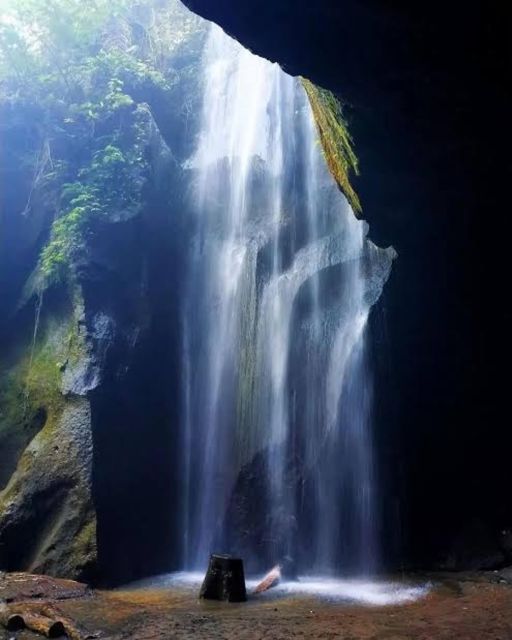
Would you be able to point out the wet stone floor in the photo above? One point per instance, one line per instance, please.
(477, 607)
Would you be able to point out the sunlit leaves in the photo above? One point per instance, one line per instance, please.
(76, 64)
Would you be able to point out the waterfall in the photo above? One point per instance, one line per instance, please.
(276, 378)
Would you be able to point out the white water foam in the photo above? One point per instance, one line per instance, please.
(363, 592)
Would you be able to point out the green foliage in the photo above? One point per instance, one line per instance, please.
(79, 69)
(66, 241)
(63, 43)
(125, 65)
(335, 139)
(111, 183)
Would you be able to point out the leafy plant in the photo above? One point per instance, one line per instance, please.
(111, 183)
(80, 68)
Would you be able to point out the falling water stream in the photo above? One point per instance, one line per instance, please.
(276, 379)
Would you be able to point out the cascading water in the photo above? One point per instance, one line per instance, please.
(280, 282)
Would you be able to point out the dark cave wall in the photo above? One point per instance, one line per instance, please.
(425, 92)
(135, 410)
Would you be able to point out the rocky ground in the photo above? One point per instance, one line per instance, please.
(469, 607)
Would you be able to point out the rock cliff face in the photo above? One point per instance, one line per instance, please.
(83, 385)
(87, 386)
(78, 406)
(91, 230)
(47, 521)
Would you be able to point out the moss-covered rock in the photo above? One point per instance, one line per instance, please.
(335, 139)
(47, 519)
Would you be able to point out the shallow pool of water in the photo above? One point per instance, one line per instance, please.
(358, 591)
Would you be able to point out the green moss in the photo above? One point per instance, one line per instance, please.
(31, 398)
(33, 385)
(43, 378)
(35, 382)
(25, 392)
(335, 139)
(85, 541)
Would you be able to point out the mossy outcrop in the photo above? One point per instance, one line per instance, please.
(47, 518)
(335, 140)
